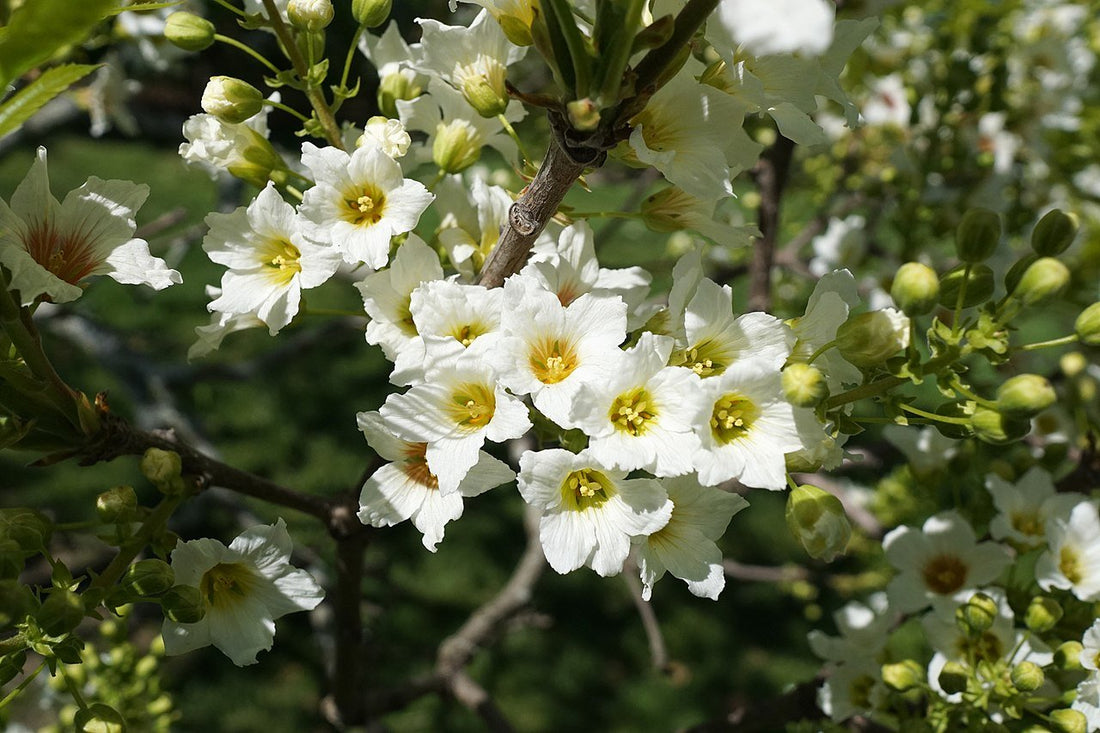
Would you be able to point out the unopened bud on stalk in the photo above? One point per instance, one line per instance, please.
(488, 99)
(189, 31)
(371, 13)
(1069, 721)
(116, 505)
(977, 235)
(804, 385)
(904, 675)
(1045, 279)
(1042, 614)
(60, 612)
(163, 468)
(868, 339)
(398, 85)
(1025, 395)
(584, 115)
(148, 577)
(1054, 233)
(953, 678)
(389, 135)
(996, 428)
(1068, 655)
(817, 519)
(259, 162)
(916, 288)
(457, 146)
(1087, 325)
(231, 100)
(976, 615)
(183, 604)
(1027, 676)
(309, 15)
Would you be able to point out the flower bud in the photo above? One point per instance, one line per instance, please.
(148, 577)
(489, 100)
(99, 718)
(60, 612)
(163, 468)
(116, 505)
(1042, 614)
(1054, 233)
(456, 147)
(976, 615)
(979, 286)
(1025, 395)
(516, 29)
(1073, 363)
(183, 604)
(869, 339)
(371, 13)
(1019, 267)
(804, 385)
(1027, 676)
(388, 135)
(189, 31)
(817, 519)
(584, 115)
(398, 85)
(258, 162)
(902, 676)
(231, 100)
(1068, 655)
(30, 529)
(916, 288)
(1068, 721)
(953, 678)
(309, 15)
(1087, 325)
(977, 235)
(996, 428)
(1044, 280)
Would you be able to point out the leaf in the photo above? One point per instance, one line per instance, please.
(137, 7)
(39, 29)
(18, 109)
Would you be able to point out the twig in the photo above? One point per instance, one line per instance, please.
(765, 573)
(771, 174)
(474, 697)
(347, 670)
(658, 652)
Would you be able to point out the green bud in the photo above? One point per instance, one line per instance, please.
(457, 146)
(189, 31)
(488, 99)
(116, 505)
(1073, 363)
(183, 604)
(950, 429)
(99, 718)
(371, 13)
(902, 676)
(28, 528)
(977, 614)
(516, 29)
(804, 385)
(231, 100)
(163, 468)
(148, 577)
(1068, 655)
(1087, 325)
(979, 286)
(259, 162)
(1027, 676)
(1042, 614)
(1045, 279)
(1068, 721)
(1054, 233)
(996, 428)
(309, 15)
(869, 339)
(1025, 395)
(392, 87)
(817, 519)
(977, 235)
(1019, 267)
(584, 115)
(953, 678)
(60, 612)
(916, 288)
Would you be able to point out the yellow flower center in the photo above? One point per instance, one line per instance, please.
(1069, 562)
(707, 358)
(415, 465)
(984, 647)
(633, 412)
(732, 417)
(472, 406)
(466, 333)
(282, 260)
(552, 360)
(944, 574)
(366, 207)
(585, 488)
(226, 584)
(1027, 523)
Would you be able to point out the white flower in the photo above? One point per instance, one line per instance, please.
(851, 688)
(360, 201)
(685, 547)
(269, 260)
(927, 450)
(51, 248)
(406, 488)
(746, 427)
(220, 326)
(244, 588)
(772, 26)
(833, 296)
(672, 209)
(216, 146)
(453, 317)
(550, 350)
(863, 627)
(888, 105)
(941, 561)
(1024, 509)
(1072, 560)
(387, 134)
(590, 512)
(1088, 690)
(642, 416)
(458, 408)
(472, 215)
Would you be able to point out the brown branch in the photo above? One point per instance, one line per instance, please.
(771, 175)
(474, 697)
(349, 653)
(764, 573)
(658, 653)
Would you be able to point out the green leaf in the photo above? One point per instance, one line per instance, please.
(39, 29)
(18, 109)
(136, 7)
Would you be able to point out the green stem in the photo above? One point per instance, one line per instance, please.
(247, 49)
(959, 387)
(961, 299)
(603, 214)
(316, 96)
(153, 523)
(821, 350)
(791, 482)
(351, 53)
(933, 416)
(77, 526)
(1065, 340)
(22, 685)
(74, 689)
(288, 110)
(525, 159)
(230, 7)
(871, 389)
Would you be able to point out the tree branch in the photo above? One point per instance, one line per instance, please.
(658, 652)
(771, 174)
